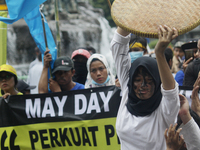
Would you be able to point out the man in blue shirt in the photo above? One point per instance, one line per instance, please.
(63, 71)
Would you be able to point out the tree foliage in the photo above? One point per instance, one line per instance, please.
(105, 6)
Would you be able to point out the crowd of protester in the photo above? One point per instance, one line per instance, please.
(152, 114)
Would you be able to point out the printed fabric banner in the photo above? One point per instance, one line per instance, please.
(75, 120)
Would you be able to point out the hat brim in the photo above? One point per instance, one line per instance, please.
(8, 72)
(63, 68)
(30, 87)
(189, 46)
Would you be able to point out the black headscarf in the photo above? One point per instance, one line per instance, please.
(80, 72)
(139, 107)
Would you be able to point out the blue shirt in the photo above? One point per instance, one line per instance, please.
(179, 77)
(78, 86)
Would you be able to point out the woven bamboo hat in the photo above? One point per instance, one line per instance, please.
(142, 17)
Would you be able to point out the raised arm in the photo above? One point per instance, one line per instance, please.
(165, 35)
(120, 47)
(43, 83)
(190, 129)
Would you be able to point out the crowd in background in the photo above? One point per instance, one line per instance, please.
(149, 83)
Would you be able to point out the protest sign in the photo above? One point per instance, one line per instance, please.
(82, 119)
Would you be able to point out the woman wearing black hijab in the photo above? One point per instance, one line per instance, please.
(147, 107)
(138, 103)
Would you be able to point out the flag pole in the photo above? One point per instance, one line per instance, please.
(46, 44)
(109, 3)
(3, 32)
(57, 29)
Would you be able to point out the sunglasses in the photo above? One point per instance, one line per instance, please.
(6, 77)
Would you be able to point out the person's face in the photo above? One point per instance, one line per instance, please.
(178, 52)
(136, 49)
(64, 77)
(143, 84)
(98, 71)
(7, 81)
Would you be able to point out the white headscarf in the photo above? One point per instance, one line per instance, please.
(89, 83)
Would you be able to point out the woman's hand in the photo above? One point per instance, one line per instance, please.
(173, 140)
(5, 95)
(165, 35)
(122, 31)
(184, 113)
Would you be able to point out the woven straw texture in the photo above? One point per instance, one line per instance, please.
(142, 17)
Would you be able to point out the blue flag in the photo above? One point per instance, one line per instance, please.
(17, 9)
(34, 22)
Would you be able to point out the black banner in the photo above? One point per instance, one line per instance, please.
(95, 103)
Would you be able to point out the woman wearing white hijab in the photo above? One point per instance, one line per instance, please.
(99, 73)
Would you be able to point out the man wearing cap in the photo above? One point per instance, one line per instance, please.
(193, 68)
(63, 71)
(178, 57)
(80, 58)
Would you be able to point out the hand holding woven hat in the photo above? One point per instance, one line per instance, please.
(166, 35)
(142, 17)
